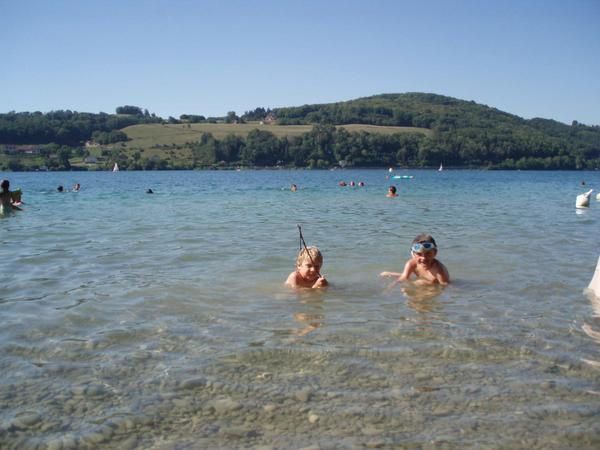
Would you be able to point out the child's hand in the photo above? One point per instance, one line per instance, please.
(321, 282)
(390, 274)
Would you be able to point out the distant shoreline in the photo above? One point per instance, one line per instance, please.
(335, 169)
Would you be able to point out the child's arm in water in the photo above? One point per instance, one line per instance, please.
(409, 268)
(390, 274)
(295, 281)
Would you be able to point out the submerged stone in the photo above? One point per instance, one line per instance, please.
(303, 395)
(226, 405)
(193, 383)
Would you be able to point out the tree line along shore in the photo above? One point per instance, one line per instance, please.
(412, 130)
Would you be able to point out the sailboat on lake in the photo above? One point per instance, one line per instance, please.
(441, 168)
(116, 168)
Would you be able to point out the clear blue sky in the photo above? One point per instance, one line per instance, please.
(533, 58)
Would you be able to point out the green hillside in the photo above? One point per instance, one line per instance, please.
(409, 130)
(410, 109)
(464, 133)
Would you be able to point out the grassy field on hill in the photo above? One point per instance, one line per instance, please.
(157, 135)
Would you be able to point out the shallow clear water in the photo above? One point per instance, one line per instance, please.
(132, 320)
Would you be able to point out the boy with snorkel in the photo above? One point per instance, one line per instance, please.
(308, 270)
(422, 263)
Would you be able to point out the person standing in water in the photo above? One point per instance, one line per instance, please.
(6, 199)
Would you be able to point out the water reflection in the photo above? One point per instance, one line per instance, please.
(309, 321)
(310, 312)
(423, 298)
(421, 292)
(423, 305)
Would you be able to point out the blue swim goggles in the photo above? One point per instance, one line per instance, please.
(423, 247)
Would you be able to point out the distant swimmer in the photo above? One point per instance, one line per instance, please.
(7, 203)
(60, 188)
(392, 192)
(361, 184)
(149, 191)
(293, 188)
(342, 183)
(76, 187)
(423, 263)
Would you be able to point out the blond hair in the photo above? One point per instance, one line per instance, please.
(308, 254)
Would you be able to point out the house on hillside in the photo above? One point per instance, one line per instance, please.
(270, 119)
(90, 160)
(22, 149)
(32, 150)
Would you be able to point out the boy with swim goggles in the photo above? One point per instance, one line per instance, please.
(423, 264)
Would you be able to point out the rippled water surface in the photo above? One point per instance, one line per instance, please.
(134, 320)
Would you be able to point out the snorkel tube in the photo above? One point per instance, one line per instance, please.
(303, 243)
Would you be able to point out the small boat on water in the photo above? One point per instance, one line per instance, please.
(441, 168)
(116, 168)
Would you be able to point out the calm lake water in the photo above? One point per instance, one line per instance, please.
(160, 321)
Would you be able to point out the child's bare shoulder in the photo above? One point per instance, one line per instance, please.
(443, 271)
(440, 266)
(411, 264)
(292, 279)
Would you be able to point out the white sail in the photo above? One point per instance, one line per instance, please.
(116, 168)
(441, 168)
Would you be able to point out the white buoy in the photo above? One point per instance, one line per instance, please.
(583, 200)
(595, 283)
(598, 197)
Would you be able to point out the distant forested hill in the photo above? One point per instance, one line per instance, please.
(409, 130)
(464, 133)
(67, 127)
